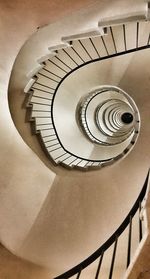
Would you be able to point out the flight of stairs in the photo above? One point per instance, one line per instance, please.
(47, 98)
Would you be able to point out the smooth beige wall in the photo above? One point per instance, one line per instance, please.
(12, 267)
(80, 207)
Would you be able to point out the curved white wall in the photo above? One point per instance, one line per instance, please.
(46, 217)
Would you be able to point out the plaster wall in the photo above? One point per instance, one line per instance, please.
(46, 213)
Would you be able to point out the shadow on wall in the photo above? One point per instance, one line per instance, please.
(144, 275)
(11, 267)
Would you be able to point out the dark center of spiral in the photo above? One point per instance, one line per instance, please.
(127, 117)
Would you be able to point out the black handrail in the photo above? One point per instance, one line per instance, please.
(69, 70)
(73, 70)
(112, 240)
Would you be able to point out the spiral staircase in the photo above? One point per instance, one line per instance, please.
(77, 107)
(61, 72)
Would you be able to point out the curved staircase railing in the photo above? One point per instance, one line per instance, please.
(64, 60)
(113, 240)
(75, 53)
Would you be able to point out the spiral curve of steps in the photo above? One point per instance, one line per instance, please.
(38, 89)
(50, 97)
